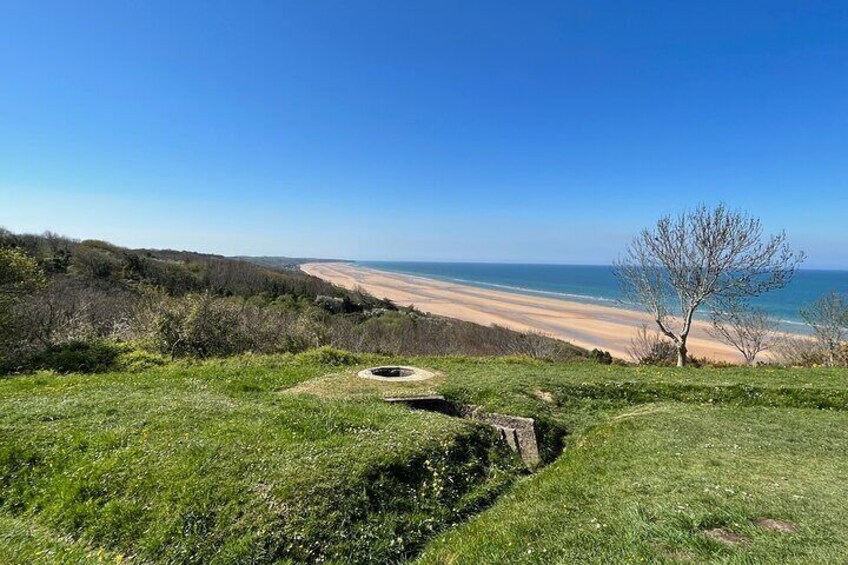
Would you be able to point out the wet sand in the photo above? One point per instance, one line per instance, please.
(586, 325)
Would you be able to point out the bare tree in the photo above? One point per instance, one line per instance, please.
(828, 316)
(749, 330)
(696, 258)
(799, 351)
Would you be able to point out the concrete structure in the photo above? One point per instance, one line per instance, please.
(396, 373)
(517, 432)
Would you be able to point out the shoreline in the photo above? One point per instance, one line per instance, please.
(586, 325)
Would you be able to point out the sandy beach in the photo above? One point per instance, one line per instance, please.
(586, 325)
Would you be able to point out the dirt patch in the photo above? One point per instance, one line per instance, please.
(725, 536)
(776, 525)
(544, 396)
(682, 556)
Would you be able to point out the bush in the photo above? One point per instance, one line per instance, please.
(79, 357)
(134, 361)
(329, 356)
(414, 333)
(20, 276)
(203, 326)
(96, 260)
(213, 326)
(805, 352)
(651, 348)
(602, 357)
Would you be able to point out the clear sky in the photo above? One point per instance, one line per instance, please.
(432, 130)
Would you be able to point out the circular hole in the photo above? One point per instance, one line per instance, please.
(395, 372)
(392, 372)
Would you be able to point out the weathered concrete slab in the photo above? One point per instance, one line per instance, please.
(519, 433)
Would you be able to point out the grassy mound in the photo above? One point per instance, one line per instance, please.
(217, 464)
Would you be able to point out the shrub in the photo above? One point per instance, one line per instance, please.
(602, 357)
(412, 333)
(79, 357)
(136, 360)
(96, 260)
(20, 276)
(201, 326)
(333, 304)
(828, 318)
(650, 348)
(803, 352)
(329, 356)
(19, 273)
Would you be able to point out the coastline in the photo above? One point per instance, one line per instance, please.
(585, 325)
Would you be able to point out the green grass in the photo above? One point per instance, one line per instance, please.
(645, 487)
(294, 459)
(218, 464)
(22, 541)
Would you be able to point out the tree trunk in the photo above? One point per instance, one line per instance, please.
(682, 357)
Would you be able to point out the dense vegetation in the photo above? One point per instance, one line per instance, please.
(92, 306)
(292, 458)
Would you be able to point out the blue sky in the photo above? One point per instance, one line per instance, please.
(501, 131)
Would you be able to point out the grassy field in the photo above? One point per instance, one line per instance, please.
(294, 459)
(217, 463)
(661, 483)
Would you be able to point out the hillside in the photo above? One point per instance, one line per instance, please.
(176, 272)
(94, 301)
(283, 262)
(293, 458)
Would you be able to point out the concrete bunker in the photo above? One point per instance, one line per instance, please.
(517, 432)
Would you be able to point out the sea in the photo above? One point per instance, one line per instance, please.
(595, 284)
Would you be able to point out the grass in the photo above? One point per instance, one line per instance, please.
(294, 459)
(216, 464)
(647, 487)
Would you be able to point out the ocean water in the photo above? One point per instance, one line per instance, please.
(598, 285)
